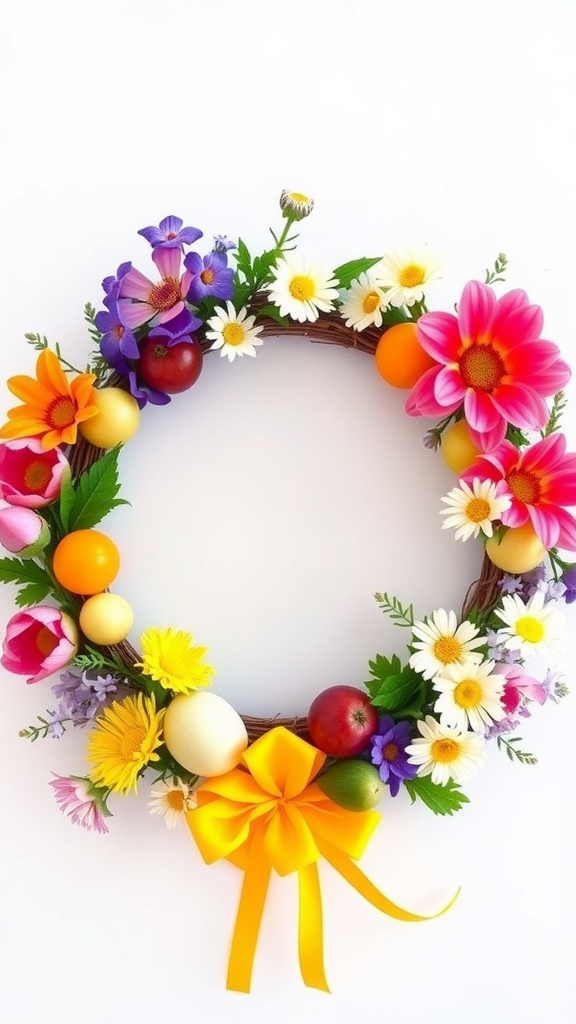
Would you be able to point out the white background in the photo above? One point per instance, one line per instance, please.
(273, 499)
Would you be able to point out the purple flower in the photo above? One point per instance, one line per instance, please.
(211, 276)
(117, 341)
(143, 393)
(510, 584)
(569, 581)
(178, 330)
(141, 300)
(111, 283)
(81, 697)
(223, 244)
(82, 802)
(502, 727)
(389, 753)
(170, 234)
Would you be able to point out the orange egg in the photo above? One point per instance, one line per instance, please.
(458, 448)
(519, 550)
(86, 562)
(400, 358)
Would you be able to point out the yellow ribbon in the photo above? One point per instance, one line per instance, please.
(268, 815)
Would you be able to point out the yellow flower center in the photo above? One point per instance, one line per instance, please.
(371, 301)
(481, 367)
(131, 743)
(477, 510)
(524, 486)
(164, 295)
(411, 275)
(301, 287)
(447, 649)
(207, 276)
(530, 629)
(61, 412)
(445, 751)
(36, 476)
(233, 334)
(390, 752)
(299, 197)
(176, 800)
(468, 694)
(45, 641)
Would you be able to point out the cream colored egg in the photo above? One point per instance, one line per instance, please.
(204, 733)
(106, 618)
(519, 550)
(116, 421)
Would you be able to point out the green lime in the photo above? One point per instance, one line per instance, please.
(355, 785)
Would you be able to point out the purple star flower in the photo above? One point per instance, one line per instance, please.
(211, 276)
(111, 283)
(170, 234)
(117, 340)
(180, 329)
(223, 244)
(389, 753)
(569, 581)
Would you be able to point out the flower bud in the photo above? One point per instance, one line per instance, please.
(23, 531)
(30, 476)
(38, 642)
(295, 205)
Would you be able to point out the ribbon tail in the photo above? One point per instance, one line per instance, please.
(352, 873)
(310, 936)
(248, 919)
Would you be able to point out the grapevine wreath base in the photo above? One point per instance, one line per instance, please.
(280, 793)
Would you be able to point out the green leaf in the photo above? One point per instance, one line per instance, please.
(274, 314)
(440, 799)
(33, 593)
(95, 493)
(350, 271)
(397, 690)
(66, 502)
(391, 606)
(381, 668)
(33, 578)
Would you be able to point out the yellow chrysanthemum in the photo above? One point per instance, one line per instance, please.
(170, 658)
(52, 406)
(123, 742)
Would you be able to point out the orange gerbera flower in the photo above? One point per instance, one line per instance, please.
(53, 405)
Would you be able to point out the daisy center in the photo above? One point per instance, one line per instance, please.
(481, 368)
(445, 751)
(530, 629)
(370, 302)
(411, 275)
(132, 742)
(477, 510)
(467, 694)
(61, 413)
(176, 800)
(390, 752)
(46, 641)
(233, 334)
(524, 486)
(36, 476)
(447, 649)
(299, 197)
(164, 295)
(301, 287)
(207, 276)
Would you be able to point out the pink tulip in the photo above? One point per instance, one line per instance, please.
(518, 685)
(23, 531)
(39, 641)
(30, 476)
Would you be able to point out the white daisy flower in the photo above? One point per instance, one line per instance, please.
(474, 509)
(296, 205)
(363, 303)
(469, 696)
(441, 641)
(446, 753)
(531, 627)
(172, 800)
(404, 275)
(302, 288)
(233, 333)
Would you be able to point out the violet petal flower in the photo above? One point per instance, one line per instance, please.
(211, 276)
(143, 393)
(171, 234)
(117, 339)
(110, 282)
(389, 753)
(179, 329)
(223, 244)
(569, 581)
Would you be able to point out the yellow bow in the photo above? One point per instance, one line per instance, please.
(274, 816)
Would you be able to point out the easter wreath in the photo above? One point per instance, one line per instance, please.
(280, 793)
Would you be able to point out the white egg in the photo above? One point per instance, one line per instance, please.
(204, 733)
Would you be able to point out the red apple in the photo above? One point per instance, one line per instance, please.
(341, 721)
(169, 368)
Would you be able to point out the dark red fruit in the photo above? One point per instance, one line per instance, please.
(171, 368)
(341, 721)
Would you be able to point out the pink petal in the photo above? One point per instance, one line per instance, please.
(545, 455)
(448, 387)
(560, 489)
(529, 359)
(475, 309)
(553, 379)
(480, 411)
(439, 335)
(134, 314)
(135, 286)
(516, 325)
(491, 438)
(167, 260)
(545, 523)
(516, 515)
(510, 301)
(167, 314)
(421, 400)
(521, 405)
(567, 524)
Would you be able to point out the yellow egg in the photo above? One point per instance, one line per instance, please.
(106, 619)
(520, 549)
(204, 733)
(116, 421)
(458, 449)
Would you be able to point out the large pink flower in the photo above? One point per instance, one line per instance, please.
(39, 641)
(491, 358)
(142, 300)
(30, 476)
(541, 480)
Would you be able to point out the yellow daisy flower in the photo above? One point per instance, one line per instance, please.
(123, 741)
(52, 406)
(170, 658)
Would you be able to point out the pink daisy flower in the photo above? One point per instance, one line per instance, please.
(541, 481)
(492, 360)
(141, 300)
